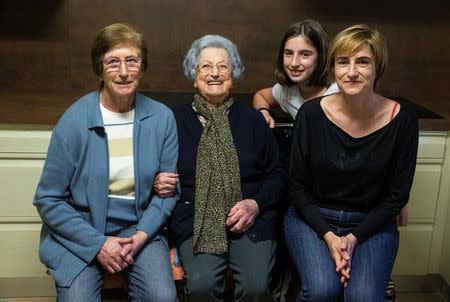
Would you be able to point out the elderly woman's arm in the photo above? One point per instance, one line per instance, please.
(52, 198)
(243, 214)
(66, 225)
(165, 184)
(159, 209)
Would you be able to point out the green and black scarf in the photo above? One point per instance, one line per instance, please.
(217, 178)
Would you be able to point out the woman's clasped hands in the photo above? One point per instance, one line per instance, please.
(341, 250)
(118, 253)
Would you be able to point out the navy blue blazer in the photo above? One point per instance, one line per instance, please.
(261, 174)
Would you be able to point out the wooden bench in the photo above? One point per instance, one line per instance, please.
(114, 286)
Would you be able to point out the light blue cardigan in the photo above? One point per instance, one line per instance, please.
(72, 193)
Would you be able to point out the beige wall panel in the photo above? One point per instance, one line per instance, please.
(445, 260)
(424, 193)
(42, 289)
(431, 145)
(443, 213)
(19, 253)
(414, 251)
(24, 141)
(18, 180)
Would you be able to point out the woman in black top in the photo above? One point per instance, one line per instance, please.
(351, 168)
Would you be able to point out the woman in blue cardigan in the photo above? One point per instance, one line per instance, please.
(95, 194)
(230, 181)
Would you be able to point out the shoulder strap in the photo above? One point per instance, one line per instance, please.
(393, 111)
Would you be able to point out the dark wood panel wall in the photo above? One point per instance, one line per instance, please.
(44, 45)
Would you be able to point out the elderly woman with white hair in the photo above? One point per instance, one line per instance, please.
(230, 181)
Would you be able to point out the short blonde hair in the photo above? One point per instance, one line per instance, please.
(353, 38)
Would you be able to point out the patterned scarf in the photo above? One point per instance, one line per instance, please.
(217, 178)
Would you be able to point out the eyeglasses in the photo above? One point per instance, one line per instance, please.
(207, 68)
(113, 64)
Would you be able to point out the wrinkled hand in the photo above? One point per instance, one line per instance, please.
(131, 249)
(165, 184)
(242, 216)
(109, 255)
(402, 218)
(269, 118)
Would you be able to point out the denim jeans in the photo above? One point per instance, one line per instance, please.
(149, 278)
(251, 263)
(372, 260)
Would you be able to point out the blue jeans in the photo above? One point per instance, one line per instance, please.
(149, 278)
(251, 263)
(372, 260)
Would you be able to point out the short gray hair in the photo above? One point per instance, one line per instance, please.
(191, 60)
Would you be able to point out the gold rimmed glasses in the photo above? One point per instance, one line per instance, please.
(132, 63)
(207, 67)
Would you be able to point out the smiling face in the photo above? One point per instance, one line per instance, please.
(121, 81)
(213, 79)
(299, 59)
(355, 73)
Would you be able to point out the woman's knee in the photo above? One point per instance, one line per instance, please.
(150, 291)
(321, 290)
(161, 295)
(159, 287)
(366, 290)
(256, 286)
(366, 294)
(321, 295)
(77, 295)
(202, 284)
(86, 286)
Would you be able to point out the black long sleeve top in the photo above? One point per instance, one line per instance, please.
(331, 169)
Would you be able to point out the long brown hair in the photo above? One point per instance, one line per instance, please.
(314, 33)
